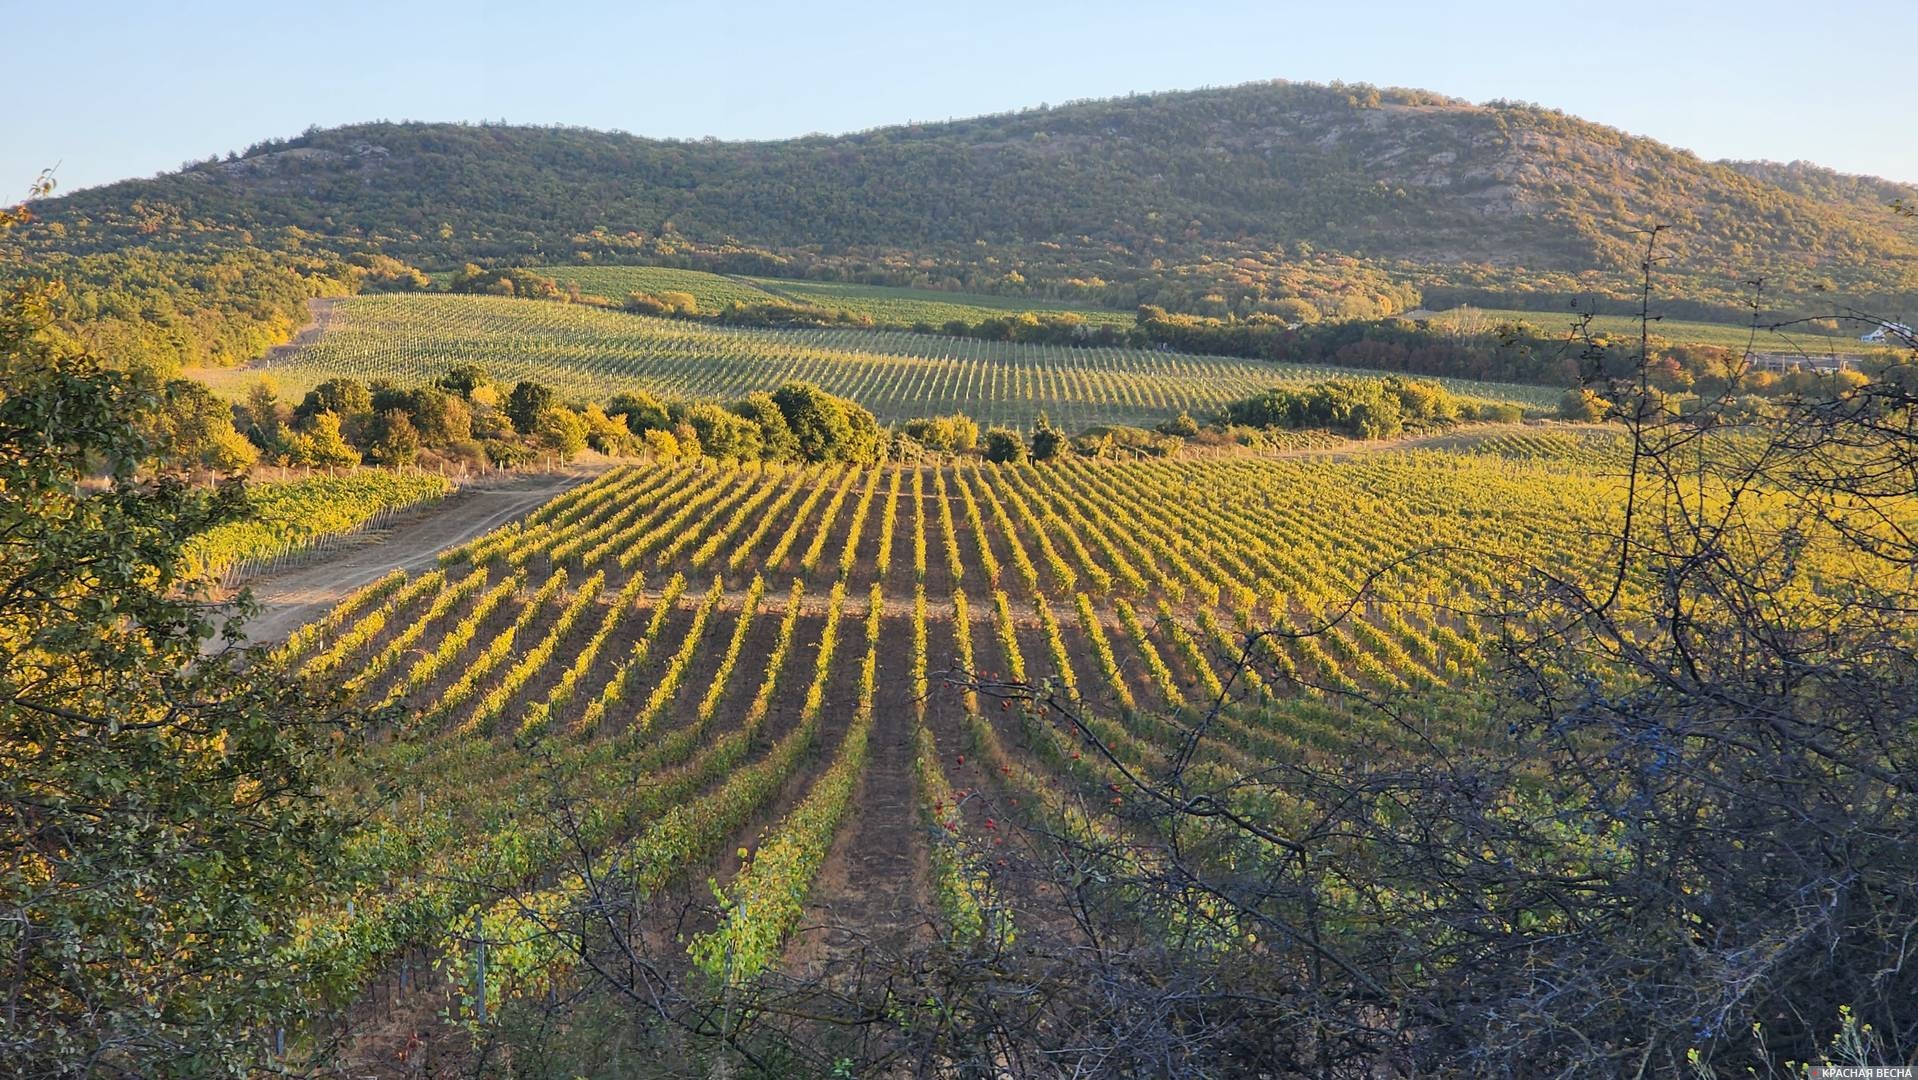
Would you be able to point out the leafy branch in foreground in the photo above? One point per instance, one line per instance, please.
(158, 826)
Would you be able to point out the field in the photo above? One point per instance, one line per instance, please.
(292, 516)
(895, 306)
(713, 291)
(887, 306)
(1808, 339)
(589, 353)
(735, 674)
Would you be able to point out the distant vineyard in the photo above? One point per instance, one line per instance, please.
(885, 305)
(735, 670)
(896, 306)
(713, 291)
(1803, 337)
(898, 375)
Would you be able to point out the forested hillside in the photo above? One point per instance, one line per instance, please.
(1295, 201)
(1351, 198)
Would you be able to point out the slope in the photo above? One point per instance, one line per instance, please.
(1350, 198)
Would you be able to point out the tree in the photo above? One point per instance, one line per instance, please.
(825, 427)
(687, 439)
(660, 444)
(562, 431)
(608, 434)
(643, 303)
(865, 442)
(194, 429)
(723, 434)
(1582, 403)
(1294, 310)
(507, 281)
(344, 397)
(776, 439)
(160, 822)
(265, 415)
(322, 444)
(1421, 399)
(464, 379)
(527, 402)
(441, 417)
(954, 434)
(1181, 425)
(383, 273)
(395, 440)
(1363, 408)
(1002, 444)
(1047, 440)
(641, 410)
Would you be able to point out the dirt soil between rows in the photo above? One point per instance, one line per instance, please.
(411, 541)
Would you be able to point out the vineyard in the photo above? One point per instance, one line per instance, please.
(1808, 337)
(883, 304)
(902, 307)
(290, 517)
(591, 353)
(615, 283)
(734, 673)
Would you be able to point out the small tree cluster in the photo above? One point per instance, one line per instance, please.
(1362, 408)
(796, 422)
(954, 434)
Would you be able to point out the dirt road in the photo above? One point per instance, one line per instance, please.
(411, 541)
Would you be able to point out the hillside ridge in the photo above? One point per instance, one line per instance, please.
(1354, 200)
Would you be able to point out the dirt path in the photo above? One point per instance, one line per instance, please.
(411, 541)
(319, 317)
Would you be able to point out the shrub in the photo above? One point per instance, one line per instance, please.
(1047, 440)
(505, 453)
(954, 434)
(1003, 444)
(660, 445)
(1582, 403)
(561, 431)
(641, 411)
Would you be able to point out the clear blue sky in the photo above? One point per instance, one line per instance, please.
(111, 89)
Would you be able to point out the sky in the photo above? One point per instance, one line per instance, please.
(106, 89)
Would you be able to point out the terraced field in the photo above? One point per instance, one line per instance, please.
(735, 673)
(594, 354)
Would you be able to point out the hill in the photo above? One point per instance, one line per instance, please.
(1357, 200)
